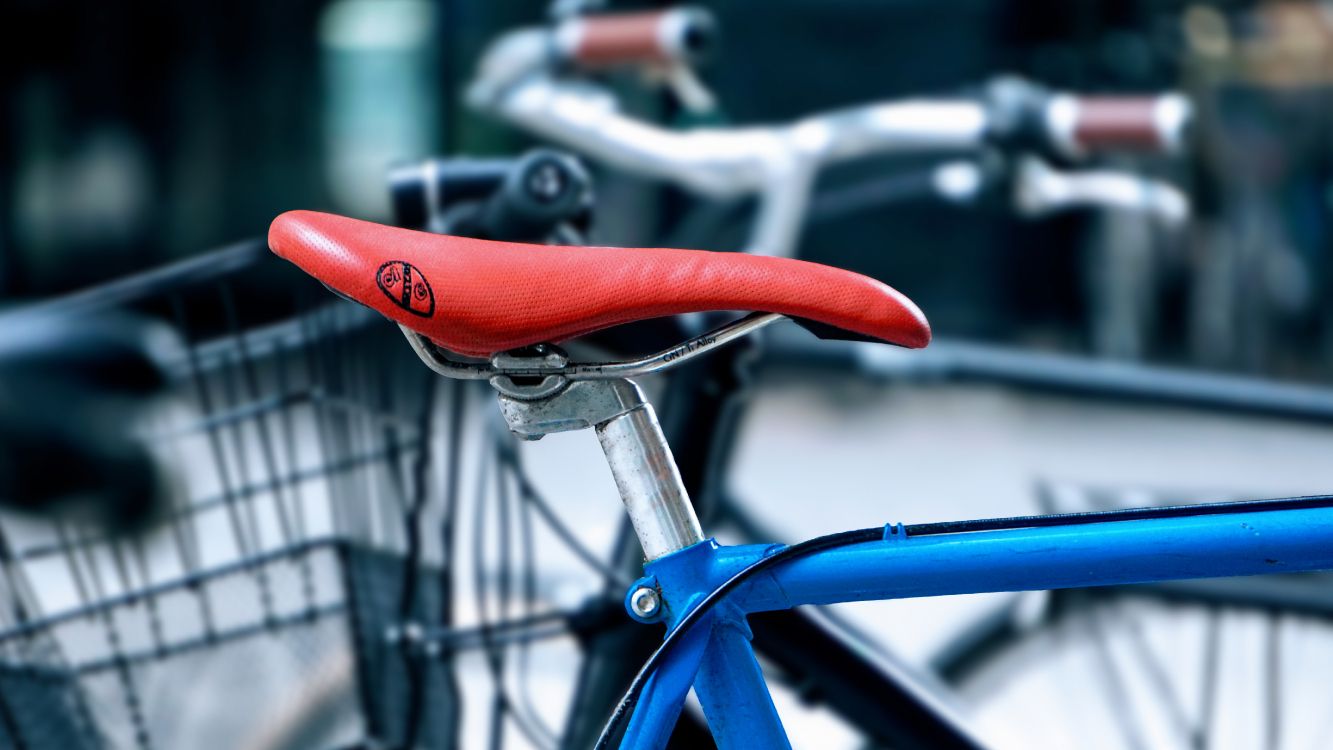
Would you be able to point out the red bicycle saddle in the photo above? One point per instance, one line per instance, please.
(477, 297)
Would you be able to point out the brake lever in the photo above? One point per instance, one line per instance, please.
(1041, 190)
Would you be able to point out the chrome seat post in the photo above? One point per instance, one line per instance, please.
(631, 438)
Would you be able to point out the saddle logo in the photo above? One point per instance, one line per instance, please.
(406, 286)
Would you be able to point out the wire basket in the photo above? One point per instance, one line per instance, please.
(272, 604)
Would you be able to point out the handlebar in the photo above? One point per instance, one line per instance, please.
(1028, 187)
(516, 82)
(419, 192)
(1098, 124)
(679, 35)
(1024, 117)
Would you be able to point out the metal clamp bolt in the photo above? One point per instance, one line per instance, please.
(645, 603)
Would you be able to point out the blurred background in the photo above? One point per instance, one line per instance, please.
(220, 478)
(138, 135)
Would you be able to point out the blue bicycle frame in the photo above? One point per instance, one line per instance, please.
(1049, 553)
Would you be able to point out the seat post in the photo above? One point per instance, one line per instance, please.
(631, 438)
(649, 482)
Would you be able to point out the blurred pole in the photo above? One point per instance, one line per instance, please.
(381, 96)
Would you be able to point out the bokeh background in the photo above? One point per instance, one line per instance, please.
(143, 133)
(136, 135)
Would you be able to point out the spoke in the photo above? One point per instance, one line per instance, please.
(417, 675)
(528, 545)
(494, 656)
(501, 705)
(451, 696)
(1157, 675)
(529, 494)
(1208, 705)
(1113, 682)
(1273, 682)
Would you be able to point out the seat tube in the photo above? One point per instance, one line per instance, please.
(732, 691)
(728, 681)
(649, 482)
(724, 671)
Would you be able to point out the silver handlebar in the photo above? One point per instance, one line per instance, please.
(516, 83)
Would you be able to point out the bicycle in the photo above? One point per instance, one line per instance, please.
(702, 590)
(544, 80)
(801, 646)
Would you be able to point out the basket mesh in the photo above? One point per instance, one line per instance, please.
(266, 609)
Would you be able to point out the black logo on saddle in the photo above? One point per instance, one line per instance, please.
(406, 286)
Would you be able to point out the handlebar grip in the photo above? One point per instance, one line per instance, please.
(611, 40)
(1091, 124)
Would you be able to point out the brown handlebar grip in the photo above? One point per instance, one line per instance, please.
(609, 40)
(1128, 123)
